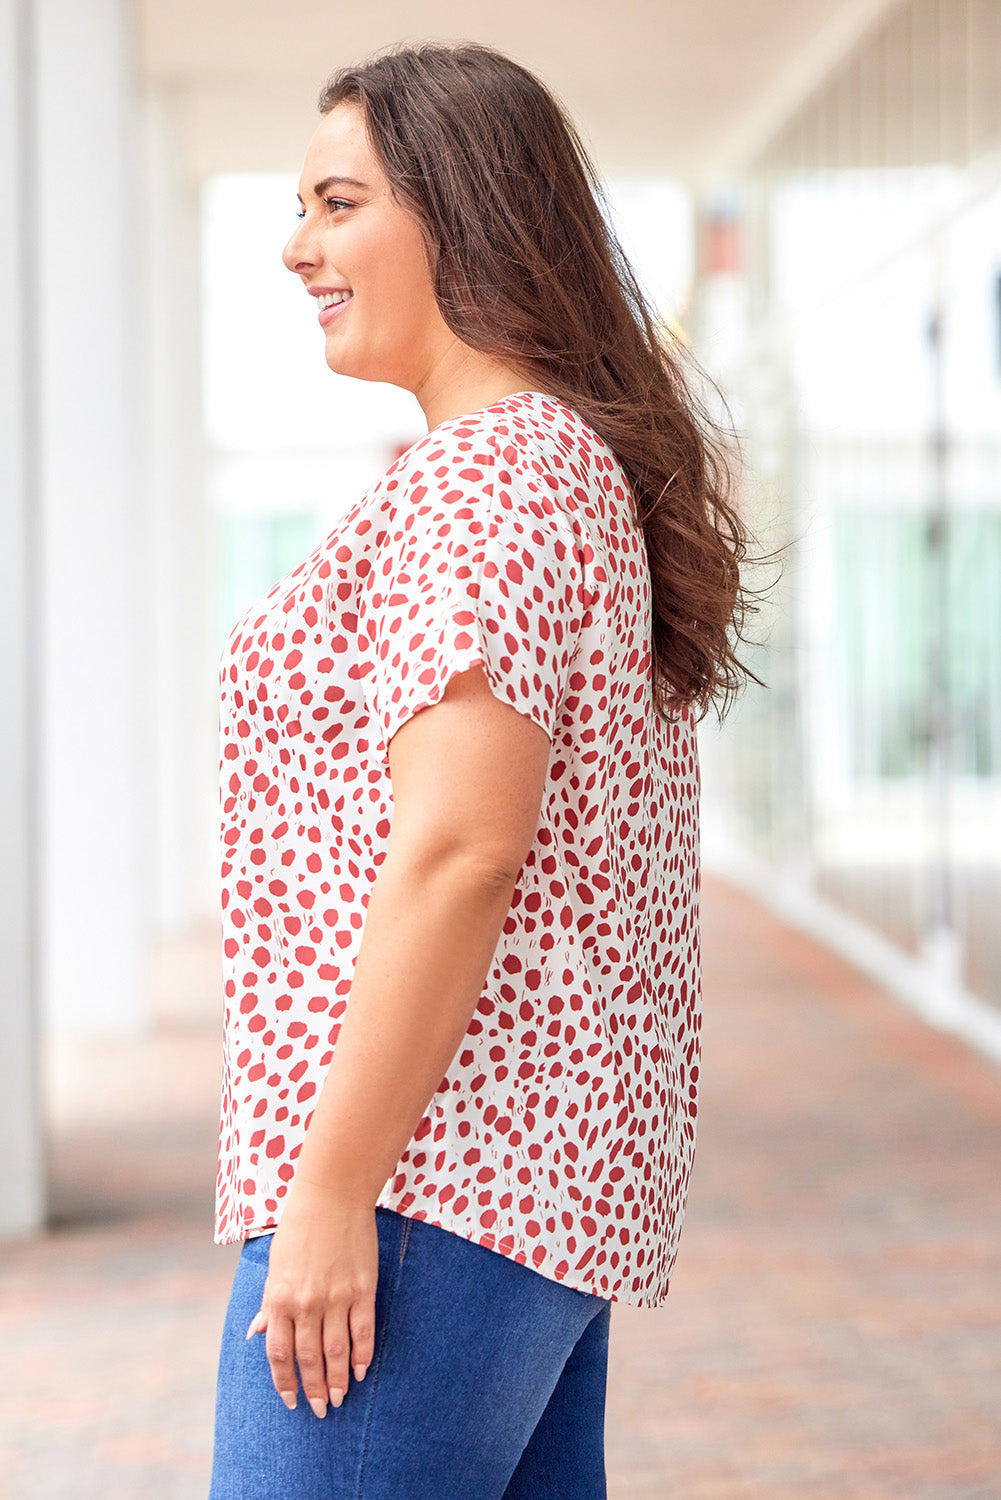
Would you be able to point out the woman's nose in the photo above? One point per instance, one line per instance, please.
(298, 254)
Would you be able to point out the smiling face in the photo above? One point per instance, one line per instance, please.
(363, 257)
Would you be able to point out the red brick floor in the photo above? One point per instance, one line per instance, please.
(834, 1326)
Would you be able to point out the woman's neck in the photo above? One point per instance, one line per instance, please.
(469, 383)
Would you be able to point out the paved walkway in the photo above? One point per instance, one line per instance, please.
(834, 1327)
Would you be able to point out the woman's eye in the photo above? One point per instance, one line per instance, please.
(332, 203)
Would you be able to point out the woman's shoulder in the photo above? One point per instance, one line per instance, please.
(529, 437)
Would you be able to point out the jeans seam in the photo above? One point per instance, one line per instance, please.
(376, 1367)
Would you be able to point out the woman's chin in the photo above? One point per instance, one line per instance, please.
(336, 361)
(340, 361)
(355, 369)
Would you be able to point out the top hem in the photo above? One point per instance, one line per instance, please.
(505, 1245)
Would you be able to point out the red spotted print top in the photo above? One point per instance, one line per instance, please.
(562, 1134)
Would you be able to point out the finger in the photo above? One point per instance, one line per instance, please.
(361, 1322)
(309, 1358)
(281, 1358)
(336, 1349)
(258, 1324)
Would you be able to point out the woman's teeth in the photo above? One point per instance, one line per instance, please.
(329, 299)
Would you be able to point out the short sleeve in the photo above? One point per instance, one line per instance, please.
(476, 564)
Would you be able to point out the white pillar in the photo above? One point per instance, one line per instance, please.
(185, 740)
(21, 1140)
(86, 201)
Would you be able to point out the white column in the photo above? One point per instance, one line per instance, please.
(21, 1140)
(86, 202)
(185, 740)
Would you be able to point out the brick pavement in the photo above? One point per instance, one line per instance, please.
(834, 1327)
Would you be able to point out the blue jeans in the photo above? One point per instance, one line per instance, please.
(487, 1383)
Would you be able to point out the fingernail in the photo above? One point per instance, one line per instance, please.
(336, 1396)
(360, 1371)
(319, 1406)
(251, 1330)
(290, 1398)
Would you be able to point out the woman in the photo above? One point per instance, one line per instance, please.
(460, 827)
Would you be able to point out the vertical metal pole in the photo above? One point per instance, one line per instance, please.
(941, 941)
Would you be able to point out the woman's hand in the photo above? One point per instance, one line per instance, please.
(318, 1305)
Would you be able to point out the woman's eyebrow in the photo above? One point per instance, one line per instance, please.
(329, 182)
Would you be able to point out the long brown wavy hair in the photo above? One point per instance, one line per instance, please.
(527, 268)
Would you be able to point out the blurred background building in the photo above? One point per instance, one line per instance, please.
(811, 191)
(858, 332)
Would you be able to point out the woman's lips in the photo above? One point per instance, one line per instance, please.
(328, 314)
